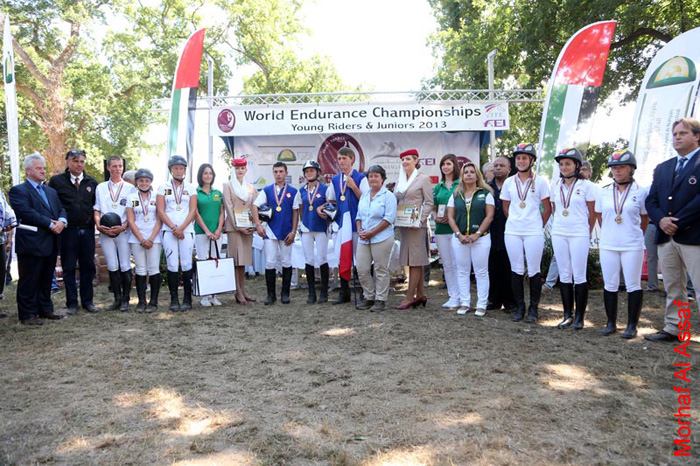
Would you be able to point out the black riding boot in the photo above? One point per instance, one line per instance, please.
(567, 299)
(518, 286)
(126, 290)
(141, 292)
(154, 280)
(634, 310)
(270, 279)
(344, 295)
(610, 301)
(323, 296)
(311, 280)
(115, 281)
(187, 290)
(535, 293)
(173, 282)
(286, 284)
(581, 293)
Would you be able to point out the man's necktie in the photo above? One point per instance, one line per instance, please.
(77, 184)
(43, 195)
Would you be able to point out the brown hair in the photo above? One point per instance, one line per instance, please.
(480, 183)
(455, 163)
(347, 152)
(691, 123)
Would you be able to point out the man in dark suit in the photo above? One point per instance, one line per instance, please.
(41, 219)
(76, 190)
(673, 205)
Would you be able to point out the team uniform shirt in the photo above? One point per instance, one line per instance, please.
(114, 201)
(262, 199)
(576, 222)
(178, 217)
(441, 196)
(524, 221)
(351, 201)
(626, 235)
(145, 227)
(209, 207)
(451, 202)
(309, 220)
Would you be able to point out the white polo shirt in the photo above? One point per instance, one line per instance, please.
(627, 235)
(114, 200)
(527, 220)
(177, 216)
(145, 227)
(576, 222)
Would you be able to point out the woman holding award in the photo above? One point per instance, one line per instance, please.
(442, 192)
(470, 212)
(522, 194)
(623, 221)
(238, 202)
(573, 219)
(414, 195)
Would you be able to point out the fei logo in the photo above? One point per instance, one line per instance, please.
(226, 120)
(496, 116)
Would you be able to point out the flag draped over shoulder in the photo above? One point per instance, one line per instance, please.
(345, 262)
(184, 97)
(8, 63)
(572, 93)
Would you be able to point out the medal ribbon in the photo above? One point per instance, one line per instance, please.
(566, 199)
(618, 203)
(176, 195)
(281, 196)
(310, 194)
(522, 196)
(145, 205)
(111, 192)
(343, 184)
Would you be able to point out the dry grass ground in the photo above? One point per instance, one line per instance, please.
(317, 385)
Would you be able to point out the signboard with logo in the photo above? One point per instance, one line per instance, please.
(271, 120)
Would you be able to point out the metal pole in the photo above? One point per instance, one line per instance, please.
(492, 132)
(210, 93)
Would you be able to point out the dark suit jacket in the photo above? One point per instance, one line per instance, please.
(676, 198)
(30, 209)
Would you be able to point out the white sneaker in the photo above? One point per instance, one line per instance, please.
(462, 310)
(480, 313)
(452, 303)
(214, 301)
(205, 302)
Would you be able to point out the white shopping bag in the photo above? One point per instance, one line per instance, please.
(214, 276)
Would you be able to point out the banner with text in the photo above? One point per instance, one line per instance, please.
(370, 149)
(269, 120)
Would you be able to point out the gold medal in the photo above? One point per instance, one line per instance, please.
(278, 208)
(311, 208)
(618, 219)
(565, 213)
(342, 198)
(146, 219)
(522, 205)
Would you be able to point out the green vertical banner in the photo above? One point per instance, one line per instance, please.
(8, 67)
(572, 94)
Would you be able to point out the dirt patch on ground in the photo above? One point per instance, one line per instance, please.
(311, 384)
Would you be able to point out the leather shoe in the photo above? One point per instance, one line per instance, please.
(662, 335)
(72, 310)
(31, 321)
(90, 308)
(52, 316)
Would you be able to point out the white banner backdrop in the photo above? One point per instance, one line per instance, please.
(370, 149)
(668, 93)
(268, 120)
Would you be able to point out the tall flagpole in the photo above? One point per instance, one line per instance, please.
(8, 60)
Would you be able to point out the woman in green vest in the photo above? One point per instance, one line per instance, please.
(470, 213)
(442, 192)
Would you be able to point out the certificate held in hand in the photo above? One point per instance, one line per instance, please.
(243, 218)
(408, 216)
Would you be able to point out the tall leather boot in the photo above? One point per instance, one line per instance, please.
(311, 280)
(323, 296)
(610, 301)
(115, 281)
(141, 292)
(634, 310)
(518, 286)
(567, 299)
(286, 284)
(344, 294)
(535, 293)
(155, 281)
(187, 290)
(270, 278)
(173, 282)
(126, 290)
(581, 293)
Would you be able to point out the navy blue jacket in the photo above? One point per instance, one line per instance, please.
(30, 209)
(676, 198)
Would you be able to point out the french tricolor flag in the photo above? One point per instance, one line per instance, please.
(345, 264)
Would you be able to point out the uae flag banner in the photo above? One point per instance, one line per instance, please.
(572, 94)
(8, 66)
(184, 97)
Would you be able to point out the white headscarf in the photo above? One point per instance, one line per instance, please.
(405, 182)
(241, 190)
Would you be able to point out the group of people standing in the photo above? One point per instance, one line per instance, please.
(495, 229)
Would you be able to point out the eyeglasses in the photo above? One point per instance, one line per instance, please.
(76, 153)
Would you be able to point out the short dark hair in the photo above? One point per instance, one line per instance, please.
(75, 153)
(200, 174)
(113, 158)
(455, 162)
(280, 164)
(347, 152)
(377, 169)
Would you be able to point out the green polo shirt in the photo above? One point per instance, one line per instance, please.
(441, 195)
(209, 206)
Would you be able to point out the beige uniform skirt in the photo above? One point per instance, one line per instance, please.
(414, 247)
